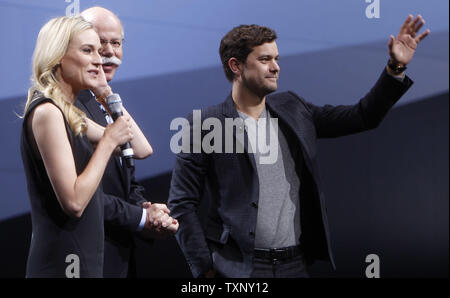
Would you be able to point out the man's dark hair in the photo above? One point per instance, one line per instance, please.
(239, 43)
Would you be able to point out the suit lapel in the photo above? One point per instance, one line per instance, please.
(284, 112)
(92, 107)
(94, 112)
(229, 111)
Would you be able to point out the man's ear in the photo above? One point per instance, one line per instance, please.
(236, 66)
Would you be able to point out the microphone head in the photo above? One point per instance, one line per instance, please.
(115, 105)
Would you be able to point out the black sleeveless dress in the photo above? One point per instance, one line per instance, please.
(56, 237)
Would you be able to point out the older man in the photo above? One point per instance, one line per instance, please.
(126, 209)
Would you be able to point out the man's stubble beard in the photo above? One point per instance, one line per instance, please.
(260, 90)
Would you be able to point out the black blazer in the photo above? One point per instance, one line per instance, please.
(123, 198)
(230, 181)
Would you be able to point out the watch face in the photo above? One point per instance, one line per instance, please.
(395, 67)
(400, 68)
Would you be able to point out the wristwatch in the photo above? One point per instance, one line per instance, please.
(396, 67)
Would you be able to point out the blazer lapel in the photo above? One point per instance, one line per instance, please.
(229, 111)
(92, 107)
(282, 111)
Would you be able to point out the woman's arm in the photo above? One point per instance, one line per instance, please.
(139, 143)
(94, 131)
(73, 192)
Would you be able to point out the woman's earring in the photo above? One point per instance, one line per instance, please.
(56, 66)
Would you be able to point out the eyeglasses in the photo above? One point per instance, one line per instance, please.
(115, 43)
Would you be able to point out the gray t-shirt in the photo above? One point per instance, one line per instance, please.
(278, 222)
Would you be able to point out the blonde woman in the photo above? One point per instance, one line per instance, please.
(63, 170)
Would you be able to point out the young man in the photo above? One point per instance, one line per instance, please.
(268, 218)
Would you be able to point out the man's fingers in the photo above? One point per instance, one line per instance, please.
(159, 214)
(161, 222)
(404, 27)
(157, 206)
(412, 25)
(155, 217)
(415, 22)
(418, 26)
(162, 207)
(173, 228)
(165, 220)
(422, 36)
(168, 223)
(159, 218)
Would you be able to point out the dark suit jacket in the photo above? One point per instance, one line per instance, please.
(123, 195)
(230, 181)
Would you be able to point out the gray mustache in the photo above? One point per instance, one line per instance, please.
(111, 60)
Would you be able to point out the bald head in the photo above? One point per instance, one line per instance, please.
(98, 16)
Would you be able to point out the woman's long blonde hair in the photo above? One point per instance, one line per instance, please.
(51, 46)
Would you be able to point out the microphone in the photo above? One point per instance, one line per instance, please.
(115, 107)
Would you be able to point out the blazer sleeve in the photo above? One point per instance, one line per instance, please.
(120, 213)
(186, 190)
(137, 191)
(334, 121)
